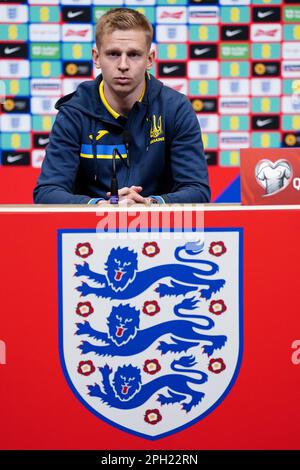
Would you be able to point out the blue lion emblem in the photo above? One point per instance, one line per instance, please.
(121, 267)
(124, 338)
(123, 280)
(126, 391)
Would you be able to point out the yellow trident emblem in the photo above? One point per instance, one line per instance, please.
(156, 130)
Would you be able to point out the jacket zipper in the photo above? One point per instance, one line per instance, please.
(128, 171)
(94, 149)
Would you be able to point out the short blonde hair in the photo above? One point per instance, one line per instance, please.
(123, 19)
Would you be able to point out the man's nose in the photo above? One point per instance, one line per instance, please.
(123, 63)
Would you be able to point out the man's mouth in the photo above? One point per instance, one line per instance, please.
(123, 79)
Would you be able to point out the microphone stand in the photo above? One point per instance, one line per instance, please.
(114, 188)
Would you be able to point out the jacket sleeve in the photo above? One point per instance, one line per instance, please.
(56, 182)
(188, 163)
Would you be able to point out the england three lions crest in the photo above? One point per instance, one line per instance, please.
(150, 332)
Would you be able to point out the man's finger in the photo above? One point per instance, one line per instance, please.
(125, 191)
(137, 188)
(136, 197)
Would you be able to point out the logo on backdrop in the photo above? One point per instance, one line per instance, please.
(273, 176)
(270, 172)
(150, 331)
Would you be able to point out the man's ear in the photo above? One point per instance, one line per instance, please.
(96, 57)
(150, 59)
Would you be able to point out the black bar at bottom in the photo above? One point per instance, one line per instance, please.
(143, 458)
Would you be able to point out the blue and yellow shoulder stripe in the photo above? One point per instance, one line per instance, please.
(102, 151)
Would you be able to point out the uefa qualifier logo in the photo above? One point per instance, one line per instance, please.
(273, 176)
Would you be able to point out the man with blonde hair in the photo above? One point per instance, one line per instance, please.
(124, 126)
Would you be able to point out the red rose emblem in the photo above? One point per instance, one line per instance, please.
(150, 249)
(217, 248)
(152, 366)
(151, 308)
(153, 416)
(84, 309)
(84, 250)
(217, 307)
(216, 365)
(86, 368)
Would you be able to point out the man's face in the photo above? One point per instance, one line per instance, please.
(123, 58)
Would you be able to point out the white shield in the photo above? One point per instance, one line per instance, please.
(150, 331)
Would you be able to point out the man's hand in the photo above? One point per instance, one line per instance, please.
(129, 196)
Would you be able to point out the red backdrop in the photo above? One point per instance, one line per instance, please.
(17, 183)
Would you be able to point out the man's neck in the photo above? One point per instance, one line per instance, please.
(122, 105)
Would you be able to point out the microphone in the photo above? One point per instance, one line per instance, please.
(124, 161)
(114, 189)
